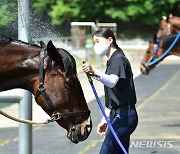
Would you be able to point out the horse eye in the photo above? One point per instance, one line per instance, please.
(162, 28)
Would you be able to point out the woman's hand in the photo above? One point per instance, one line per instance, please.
(101, 129)
(87, 68)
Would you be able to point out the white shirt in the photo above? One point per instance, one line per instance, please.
(107, 80)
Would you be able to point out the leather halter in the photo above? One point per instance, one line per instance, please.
(41, 90)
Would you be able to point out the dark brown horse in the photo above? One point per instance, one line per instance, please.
(169, 25)
(56, 88)
(156, 48)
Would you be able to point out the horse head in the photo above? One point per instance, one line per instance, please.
(63, 88)
(158, 49)
(153, 51)
(50, 74)
(169, 25)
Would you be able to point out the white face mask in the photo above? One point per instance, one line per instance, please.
(100, 49)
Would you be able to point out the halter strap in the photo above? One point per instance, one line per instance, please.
(41, 89)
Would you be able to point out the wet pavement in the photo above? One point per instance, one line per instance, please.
(158, 130)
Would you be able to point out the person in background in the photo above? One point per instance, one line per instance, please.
(120, 95)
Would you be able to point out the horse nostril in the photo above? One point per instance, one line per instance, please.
(73, 128)
(89, 125)
(141, 70)
(88, 128)
(144, 69)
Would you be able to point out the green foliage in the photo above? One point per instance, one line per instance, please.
(59, 14)
(60, 11)
(42, 6)
(144, 11)
(8, 12)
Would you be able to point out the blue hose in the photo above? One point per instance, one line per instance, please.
(104, 114)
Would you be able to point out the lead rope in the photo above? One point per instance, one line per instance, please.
(25, 121)
(104, 114)
(166, 52)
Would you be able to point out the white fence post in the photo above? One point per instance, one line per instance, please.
(25, 130)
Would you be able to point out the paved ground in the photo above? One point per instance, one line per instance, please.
(159, 119)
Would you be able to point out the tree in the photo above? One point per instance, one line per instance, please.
(144, 11)
(67, 10)
(59, 11)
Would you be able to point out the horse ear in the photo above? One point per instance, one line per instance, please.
(54, 54)
(169, 17)
(42, 44)
(164, 17)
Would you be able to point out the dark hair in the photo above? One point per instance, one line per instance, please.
(106, 33)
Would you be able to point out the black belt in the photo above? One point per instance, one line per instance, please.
(115, 110)
(125, 107)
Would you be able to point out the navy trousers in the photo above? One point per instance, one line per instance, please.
(124, 123)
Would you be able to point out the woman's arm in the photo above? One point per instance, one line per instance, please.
(102, 126)
(108, 80)
(107, 111)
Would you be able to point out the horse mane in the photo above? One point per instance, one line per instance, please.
(68, 61)
(5, 39)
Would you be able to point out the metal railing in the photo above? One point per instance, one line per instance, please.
(25, 112)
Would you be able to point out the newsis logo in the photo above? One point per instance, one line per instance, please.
(151, 144)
